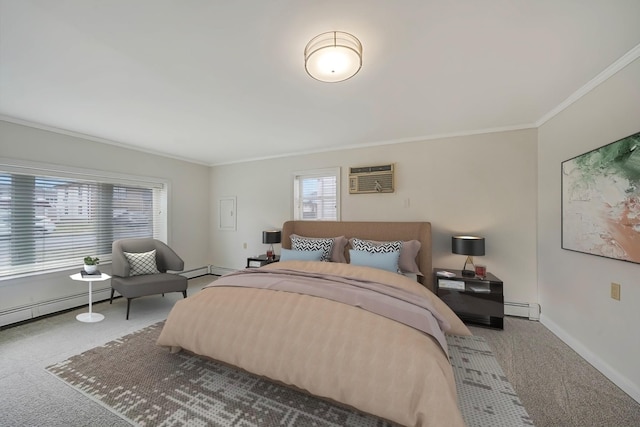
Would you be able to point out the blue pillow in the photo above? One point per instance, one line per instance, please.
(290, 254)
(384, 260)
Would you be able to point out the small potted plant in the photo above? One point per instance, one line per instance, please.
(91, 264)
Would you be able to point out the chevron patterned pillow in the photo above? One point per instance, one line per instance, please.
(142, 263)
(299, 243)
(376, 247)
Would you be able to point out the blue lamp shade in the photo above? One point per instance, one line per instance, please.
(470, 246)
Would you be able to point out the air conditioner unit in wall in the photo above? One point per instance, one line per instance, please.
(371, 179)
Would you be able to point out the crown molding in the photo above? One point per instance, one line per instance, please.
(386, 142)
(612, 69)
(73, 134)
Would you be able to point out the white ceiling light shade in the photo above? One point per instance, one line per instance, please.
(333, 57)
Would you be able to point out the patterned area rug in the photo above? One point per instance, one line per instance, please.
(485, 396)
(185, 390)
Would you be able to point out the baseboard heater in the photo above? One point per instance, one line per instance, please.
(220, 271)
(522, 309)
(43, 308)
(196, 272)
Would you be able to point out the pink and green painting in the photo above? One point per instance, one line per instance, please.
(601, 201)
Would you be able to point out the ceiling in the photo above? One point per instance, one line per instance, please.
(223, 81)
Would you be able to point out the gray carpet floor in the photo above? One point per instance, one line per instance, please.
(557, 387)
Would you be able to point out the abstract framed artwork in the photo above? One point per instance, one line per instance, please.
(601, 201)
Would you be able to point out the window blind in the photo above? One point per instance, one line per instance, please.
(52, 221)
(317, 195)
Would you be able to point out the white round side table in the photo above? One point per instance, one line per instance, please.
(90, 317)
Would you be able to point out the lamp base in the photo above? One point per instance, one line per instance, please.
(468, 273)
(270, 252)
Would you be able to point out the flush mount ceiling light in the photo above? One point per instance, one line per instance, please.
(333, 57)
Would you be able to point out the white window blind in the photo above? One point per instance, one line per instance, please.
(317, 195)
(50, 221)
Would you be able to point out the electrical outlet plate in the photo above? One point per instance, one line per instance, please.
(615, 291)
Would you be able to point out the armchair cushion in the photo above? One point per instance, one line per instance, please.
(142, 263)
(149, 284)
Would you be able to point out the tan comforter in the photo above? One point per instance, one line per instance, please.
(328, 348)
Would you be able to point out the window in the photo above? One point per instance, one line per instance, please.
(316, 195)
(52, 219)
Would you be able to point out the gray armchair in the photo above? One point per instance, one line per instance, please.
(146, 284)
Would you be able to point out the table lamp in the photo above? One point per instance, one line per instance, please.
(270, 237)
(470, 246)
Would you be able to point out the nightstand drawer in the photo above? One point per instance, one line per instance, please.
(474, 303)
(260, 260)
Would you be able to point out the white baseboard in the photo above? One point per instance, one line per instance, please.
(522, 309)
(196, 272)
(78, 300)
(43, 308)
(14, 316)
(618, 379)
(220, 271)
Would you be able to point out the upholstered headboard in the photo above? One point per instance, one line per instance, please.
(381, 231)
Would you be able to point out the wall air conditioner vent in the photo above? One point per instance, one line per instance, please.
(371, 179)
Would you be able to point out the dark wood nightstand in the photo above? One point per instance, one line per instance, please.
(260, 260)
(475, 300)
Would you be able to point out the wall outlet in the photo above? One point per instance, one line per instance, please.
(615, 291)
(244, 246)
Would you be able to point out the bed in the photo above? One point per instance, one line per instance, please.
(364, 337)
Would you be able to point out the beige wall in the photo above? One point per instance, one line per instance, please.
(484, 184)
(188, 203)
(574, 287)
